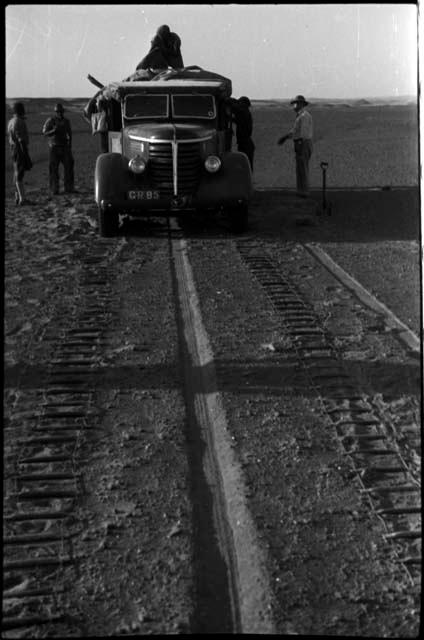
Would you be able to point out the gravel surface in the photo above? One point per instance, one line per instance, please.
(331, 571)
(144, 567)
(370, 269)
(137, 511)
(373, 235)
(136, 541)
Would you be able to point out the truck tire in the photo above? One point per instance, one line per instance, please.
(108, 177)
(108, 222)
(239, 218)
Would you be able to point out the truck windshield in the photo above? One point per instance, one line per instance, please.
(193, 106)
(146, 106)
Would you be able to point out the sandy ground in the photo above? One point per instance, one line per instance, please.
(144, 569)
(330, 571)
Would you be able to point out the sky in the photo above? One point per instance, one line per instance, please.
(270, 51)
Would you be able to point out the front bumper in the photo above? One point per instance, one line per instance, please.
(170, 206)
(122, 191)
(161, 206)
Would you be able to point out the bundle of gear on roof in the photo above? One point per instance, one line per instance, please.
(165, 51)
(163, 62)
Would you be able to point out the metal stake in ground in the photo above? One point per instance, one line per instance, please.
(324, 166)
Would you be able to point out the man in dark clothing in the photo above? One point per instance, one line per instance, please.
(155, 59)
(59, 134)
(165, 51)
(244, 126)
(173, 51)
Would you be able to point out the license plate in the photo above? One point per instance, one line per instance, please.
(143, 195)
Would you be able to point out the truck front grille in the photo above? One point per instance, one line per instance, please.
(134, 147)
(188, 167)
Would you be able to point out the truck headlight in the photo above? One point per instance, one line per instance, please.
(212, 164)
(137, 164)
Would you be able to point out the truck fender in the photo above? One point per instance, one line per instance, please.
(109, 176)
(229, 186)
(236, 168)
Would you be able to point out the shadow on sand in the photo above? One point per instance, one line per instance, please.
(356, 216)
(237, 376)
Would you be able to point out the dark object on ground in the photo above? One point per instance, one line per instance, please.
(326, 206)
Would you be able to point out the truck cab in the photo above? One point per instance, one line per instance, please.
(170, 151)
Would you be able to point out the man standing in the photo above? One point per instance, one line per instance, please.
(100, 124)
(18, 141)
(244, 126)
(59, 134)
(302, 138)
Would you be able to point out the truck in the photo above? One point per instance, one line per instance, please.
(169, 151)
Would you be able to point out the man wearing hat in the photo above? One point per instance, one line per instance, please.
(58, 132)
(302, 138)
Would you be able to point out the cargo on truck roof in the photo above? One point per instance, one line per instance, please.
(189, 78)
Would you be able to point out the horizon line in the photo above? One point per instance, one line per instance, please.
(384, 97)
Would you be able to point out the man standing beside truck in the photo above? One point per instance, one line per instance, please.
(302, 138)
(58, 131)
(244, 126)
(100, 124)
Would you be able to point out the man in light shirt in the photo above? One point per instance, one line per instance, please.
(19, 141)
(302, 138)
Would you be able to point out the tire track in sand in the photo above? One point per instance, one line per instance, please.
(249, 590)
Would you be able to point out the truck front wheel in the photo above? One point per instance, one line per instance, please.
(108, 222)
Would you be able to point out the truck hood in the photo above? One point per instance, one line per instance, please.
(166, 132)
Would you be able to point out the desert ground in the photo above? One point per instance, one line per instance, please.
(372, 181)
(145, 562)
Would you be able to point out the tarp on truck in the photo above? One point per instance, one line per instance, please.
(218, 83)
(185, 78)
